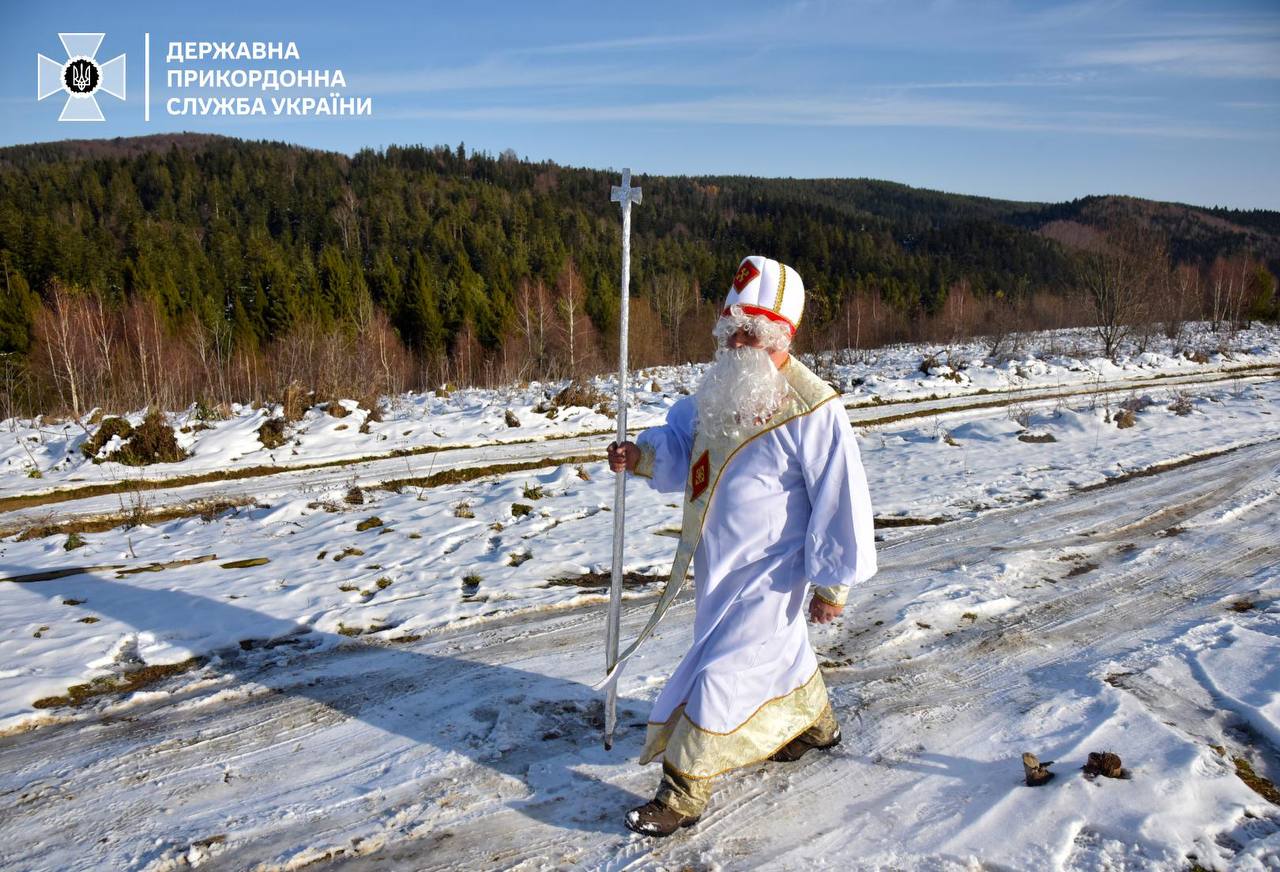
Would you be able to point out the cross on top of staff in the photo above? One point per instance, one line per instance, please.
(624, 193)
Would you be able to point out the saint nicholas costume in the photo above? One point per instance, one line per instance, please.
(778, 508)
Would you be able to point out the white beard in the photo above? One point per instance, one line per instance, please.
(741, 389)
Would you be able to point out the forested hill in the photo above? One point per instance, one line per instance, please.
(260, 235)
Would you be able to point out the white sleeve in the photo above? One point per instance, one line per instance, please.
(840, 544)
(664, 451)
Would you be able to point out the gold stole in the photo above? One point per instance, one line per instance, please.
(709, 458)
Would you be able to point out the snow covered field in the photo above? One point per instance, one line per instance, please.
(472, 417)
(404, 682)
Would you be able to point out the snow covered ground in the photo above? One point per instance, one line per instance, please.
(404, 682)
(416, 422)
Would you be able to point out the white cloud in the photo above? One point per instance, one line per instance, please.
(1209, 58)
(899, 111)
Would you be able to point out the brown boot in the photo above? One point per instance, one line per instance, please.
(655, 819)
(801, 745)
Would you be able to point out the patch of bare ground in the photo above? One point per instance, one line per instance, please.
(1157, 468)
(471, 473)
(910, 522)
(1264, 787)
(206, 510)
(604, 579)
(79, 694)
(120, 569)
(27, 501)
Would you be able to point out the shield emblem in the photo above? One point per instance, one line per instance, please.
(699, 476)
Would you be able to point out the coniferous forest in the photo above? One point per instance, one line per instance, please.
(184, 268)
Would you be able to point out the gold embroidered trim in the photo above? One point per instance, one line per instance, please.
(832, 596)
(782, 286)
(760, 759)
(696, 752)
(644, 466)
(703, 519)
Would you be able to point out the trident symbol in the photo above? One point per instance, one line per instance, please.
(80, 76)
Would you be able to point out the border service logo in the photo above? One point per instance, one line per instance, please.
(80, 76)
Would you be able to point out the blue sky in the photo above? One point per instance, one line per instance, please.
(1030, 101)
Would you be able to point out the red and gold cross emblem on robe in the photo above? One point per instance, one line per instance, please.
(699, 476)
(744, 275)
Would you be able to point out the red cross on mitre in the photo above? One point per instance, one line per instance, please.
(745, 275)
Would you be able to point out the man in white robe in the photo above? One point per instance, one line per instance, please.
(775, 502)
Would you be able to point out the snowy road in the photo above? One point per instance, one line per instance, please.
(266, 488)
(1097, 621)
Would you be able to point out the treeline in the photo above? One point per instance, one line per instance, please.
(213, 269)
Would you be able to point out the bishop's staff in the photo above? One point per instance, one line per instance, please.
(625, 195)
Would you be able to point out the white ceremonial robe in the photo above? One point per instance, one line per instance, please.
(790, 508)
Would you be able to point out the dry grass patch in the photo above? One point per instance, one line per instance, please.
(471, 473)
(1181, 404)
(108, 429)
(152, 441)
(79, 694)
(602, 580)
(583, 395)
(246, 563)
(206, 510)
(1264, 787)
(909, 522)
(272, 433)
(471, 584)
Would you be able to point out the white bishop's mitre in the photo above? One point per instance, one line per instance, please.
(765, 287)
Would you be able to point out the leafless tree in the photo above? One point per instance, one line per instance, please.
(673, 297)
(61, 329)
(1117, 274)
(533, 319)
(1182, 302)
(1228, 291)
(573, 325)
(346, 215)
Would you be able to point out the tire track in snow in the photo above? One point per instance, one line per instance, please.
(555, 450)
(386, 779)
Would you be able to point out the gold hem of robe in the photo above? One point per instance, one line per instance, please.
(696, 752)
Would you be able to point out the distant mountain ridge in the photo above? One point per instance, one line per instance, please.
(260, 234)
(1261, 225)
